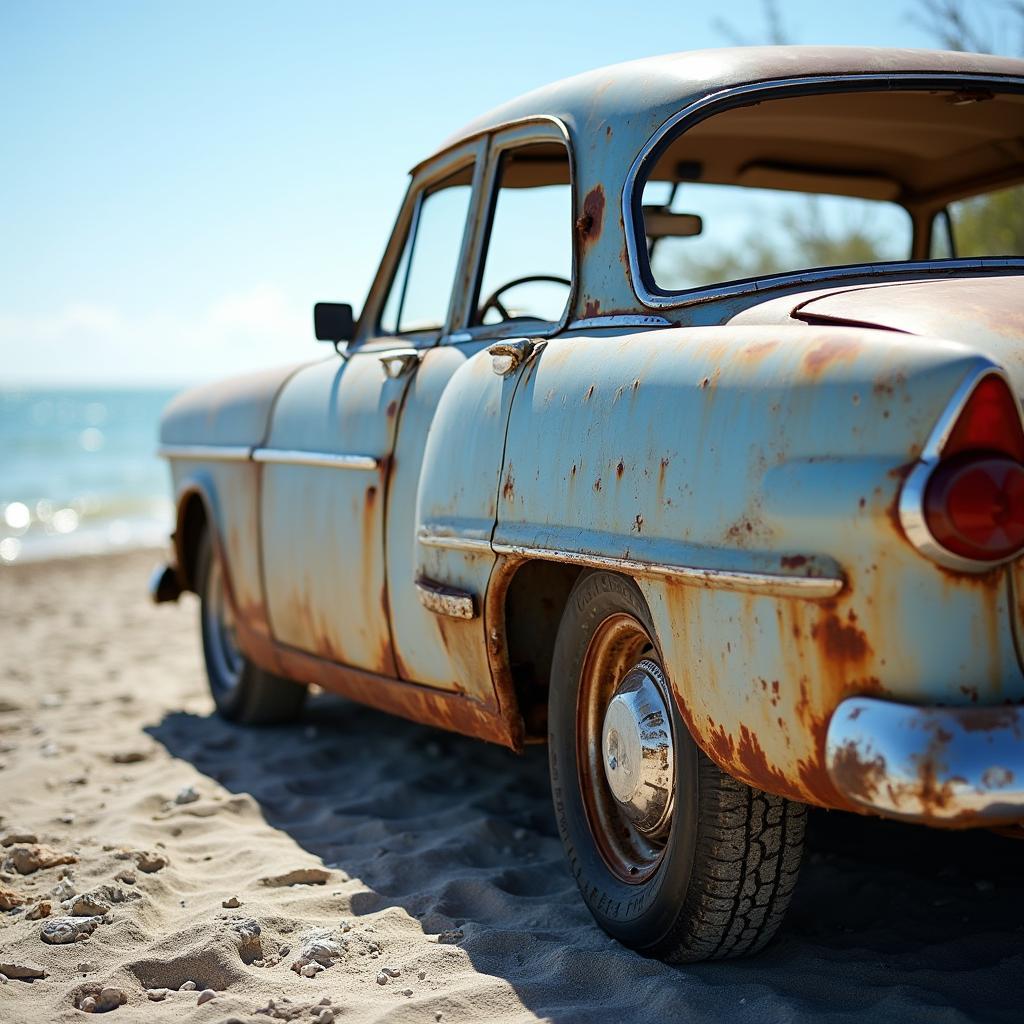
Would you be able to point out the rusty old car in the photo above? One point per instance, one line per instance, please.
(680, 429)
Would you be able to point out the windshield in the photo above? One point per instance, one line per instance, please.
(833, 179)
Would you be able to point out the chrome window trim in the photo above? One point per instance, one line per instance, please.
(618, 320)
(326, 460)
(206, 452)
(694, 296)
(911, 500)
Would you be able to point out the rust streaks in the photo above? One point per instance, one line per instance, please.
(591, 220)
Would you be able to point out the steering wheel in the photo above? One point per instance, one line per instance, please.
(493, 301)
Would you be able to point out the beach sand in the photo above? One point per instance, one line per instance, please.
(423, 867)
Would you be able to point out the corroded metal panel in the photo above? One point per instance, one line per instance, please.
(777, 451)
(441, 510)
(322, 522)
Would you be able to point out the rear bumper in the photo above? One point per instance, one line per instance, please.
(164, 584)
(957, 767)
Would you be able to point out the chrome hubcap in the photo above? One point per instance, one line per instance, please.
(636, 740)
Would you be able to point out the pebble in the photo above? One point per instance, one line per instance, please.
(3, 981)
(383, 978)
(422, 975)
(406, 991)
(86, 967)
(438, 1015)
(97, 999)
(325, 1016)
(187, 795)
(10, 838)
(450, 936)
(25, 859)
(85, 905)
(391, 972)
(22, 971)
(149, 862)
(62, 891)
(128, 877)
(156, 994)
(205, 996)
(11, 898)
(129, 757)
(61, 930)
(40, 910)
(310, 970)
(187, 986)
(231, 904)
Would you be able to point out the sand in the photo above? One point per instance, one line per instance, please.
(423, 867)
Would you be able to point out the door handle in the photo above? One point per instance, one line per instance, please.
(399, 361)
(508, 356)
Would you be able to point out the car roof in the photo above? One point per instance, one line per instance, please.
(639, 95)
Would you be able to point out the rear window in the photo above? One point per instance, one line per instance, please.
(797, 183)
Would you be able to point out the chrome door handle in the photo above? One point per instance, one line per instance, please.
(398, 361)
(508, 356)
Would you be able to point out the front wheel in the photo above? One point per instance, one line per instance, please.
(674, 857)
(242, 691)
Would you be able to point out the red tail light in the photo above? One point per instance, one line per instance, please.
(974, 499)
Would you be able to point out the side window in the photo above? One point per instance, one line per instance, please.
(528, 262)
(422, 285)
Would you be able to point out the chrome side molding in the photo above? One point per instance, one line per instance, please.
(445, 600)
(328, 460)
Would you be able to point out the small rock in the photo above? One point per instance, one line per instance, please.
(128, 877)
(129, 756)
(149, 862)
(450, 936)
(3, 979)
(187, 986)
(21, 971)
(422, 975)
(99, 998)
(283, 951)
(85, 905)
(310, 970)
(382, 978)
(87, 967)
(391, 972)
(247, 931)
(231, 904)
(205, 996)
(60, 930)
(25, 859)
(187, 795)
(156, 994)
(63, 891)
(438, 1015)
(325, 1016)
(67, 819)
(110, 999)
(300, 876)
(40, 910)
(10, 838)
(10, 898)
(87, 1004)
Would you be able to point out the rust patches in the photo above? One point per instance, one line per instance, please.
(591, 220)
(620, 469)
(793, 561)
(931, 765)
(508, 487)
(392, 408)
(831, 352)
(859, 777)
(841, 641)
(758, 350)
(592, 307)
(597, 484)
(991, 719)
(572, 472)
(755, 765)
(971, 692)
(638, 523)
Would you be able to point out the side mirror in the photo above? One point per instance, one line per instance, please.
(333, 321)
(662, 223)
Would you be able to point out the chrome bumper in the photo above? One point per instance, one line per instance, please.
(164, 584)
(957, 766)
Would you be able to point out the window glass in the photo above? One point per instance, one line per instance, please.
(749, 232)
(528, 264)
(797, 182)
(987, 225)
(422, 285)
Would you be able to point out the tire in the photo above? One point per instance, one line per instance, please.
(241, 691)
(714, 878)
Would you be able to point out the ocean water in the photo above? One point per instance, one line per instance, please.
(79, 472)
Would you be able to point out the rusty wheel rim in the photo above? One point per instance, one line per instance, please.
(620, 659)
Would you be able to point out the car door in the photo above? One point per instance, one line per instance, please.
(327, 461)
(443, 503)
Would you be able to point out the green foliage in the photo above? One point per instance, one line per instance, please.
(990, 225)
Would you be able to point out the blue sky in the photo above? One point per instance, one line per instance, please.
(183, 180)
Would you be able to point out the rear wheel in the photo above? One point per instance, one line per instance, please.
(242, 691)
(674, 857)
